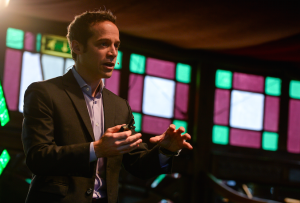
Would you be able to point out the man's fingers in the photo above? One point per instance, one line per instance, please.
(155, 139)
(171, 129)
(129, 147)
(180, 130)
(114, 129)
(186, 136)
(129, 139)
(187, 145)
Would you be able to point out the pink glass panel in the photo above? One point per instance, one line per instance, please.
(293, 142)
(160, 68)
(154, 125)
(271, 114)
(245, 138)
(247, 82)
(113, 83)
(29, 41)
(135, 92)
(181, 101)
(11, 77)
(222, 103)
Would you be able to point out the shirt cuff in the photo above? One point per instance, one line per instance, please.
(93, 156)
(163, 160)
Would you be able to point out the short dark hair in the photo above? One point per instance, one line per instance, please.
(79, 28)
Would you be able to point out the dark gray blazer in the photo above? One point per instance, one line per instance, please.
(56, 137)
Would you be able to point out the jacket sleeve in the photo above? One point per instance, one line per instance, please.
(43, 155)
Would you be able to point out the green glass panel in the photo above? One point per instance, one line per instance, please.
(295, 89)
(183, 73)
(15, 38)
(38, 42)
(1, 169)
(273, 86)
(223, 79)
(138, 121)
(179, 123)
(118, 64)
(137, 63)
(220, 134)
(4, 117)
(28, 180)
(4, 158)
(270, 141)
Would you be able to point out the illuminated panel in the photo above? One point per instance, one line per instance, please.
(29, 44)
(273, 86)
(220, 135)
(138, 121)
(4, 117)
(247, 82)
(293, 142)
(113, 82)
(15, 38)
(55, 45)
(181, 101)
(68, 65)
(246, 110)
(137, 63)
(135, 91)
(223, 79)
(179, 123)
(53, 66)
(118, 64)
(4, 159)
(270, 141)
(222, 103)
(183, 73)
(245, 138)
(154, 125)
(160, 68)
(158, 97)
(295, 89)
(11, 78)
(271, 117)
(31, 72)
(38, 42)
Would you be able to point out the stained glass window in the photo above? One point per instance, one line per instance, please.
(4, 159)
(246, 110)
(4, 116)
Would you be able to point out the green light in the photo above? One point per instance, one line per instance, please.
(119, 60)
(138, 121)
(137, 63)
(270, 141)
(295, 89)
(179, 123)
(28, 180)
(4, 159)
(273, 86)
(220, 134)
(183, 73)
(223, 79)
(38, 42)
(158, 180)
(14, 38)
(4, 117)
(1, 169)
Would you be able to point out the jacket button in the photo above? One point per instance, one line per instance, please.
(89, 191)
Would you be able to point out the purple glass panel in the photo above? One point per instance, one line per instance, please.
(160, 68)
(113, 83)
(135, 92)
(29, 41)
(222, 103)
(181, 101)
(247, 82)
(154, 125)
(271, 114)
(245, 138)
(293, 142)
(11, 77)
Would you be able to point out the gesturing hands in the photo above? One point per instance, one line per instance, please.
(172, 139)
(113, 143)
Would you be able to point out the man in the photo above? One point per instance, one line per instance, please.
(71, 125)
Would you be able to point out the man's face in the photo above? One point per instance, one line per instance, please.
(101, 51)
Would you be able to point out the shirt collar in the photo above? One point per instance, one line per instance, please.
(84, 86)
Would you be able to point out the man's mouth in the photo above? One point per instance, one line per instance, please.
(109, 64)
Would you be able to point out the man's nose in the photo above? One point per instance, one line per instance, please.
(113, 51)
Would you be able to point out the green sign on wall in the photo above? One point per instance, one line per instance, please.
(56, 45)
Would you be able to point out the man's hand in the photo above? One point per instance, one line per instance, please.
(113, 143)
(172, 139)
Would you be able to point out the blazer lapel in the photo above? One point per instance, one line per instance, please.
(74, 91)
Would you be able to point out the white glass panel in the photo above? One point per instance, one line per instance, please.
(69, 64)
(246, 110)
(158, 97)
(31, 72)
(52, 66)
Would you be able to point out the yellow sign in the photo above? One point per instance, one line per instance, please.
(56, 45)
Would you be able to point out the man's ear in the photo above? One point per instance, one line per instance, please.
(77, 48)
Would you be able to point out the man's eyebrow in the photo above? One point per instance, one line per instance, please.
(119, 41)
